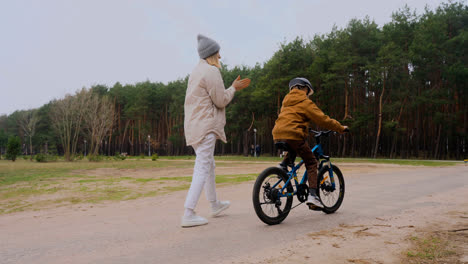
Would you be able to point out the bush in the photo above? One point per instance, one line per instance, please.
(79, 157)
(13, 148)
(119, 156)
(25, 157)
(40, 157)
(95, 158)
(154, 157)
(45, 157)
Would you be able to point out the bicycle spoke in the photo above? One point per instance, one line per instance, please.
(269, 203)
(271, 210)
(330, 197)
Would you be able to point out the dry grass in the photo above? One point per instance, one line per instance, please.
(26, 185)
(437, 246)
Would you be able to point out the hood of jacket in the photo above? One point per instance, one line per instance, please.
(294, 97)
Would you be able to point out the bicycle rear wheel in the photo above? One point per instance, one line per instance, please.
(331, 196)
(269, 206)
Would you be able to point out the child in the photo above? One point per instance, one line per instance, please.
(291, 127)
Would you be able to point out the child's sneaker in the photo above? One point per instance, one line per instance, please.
(219, 207)
(314, 202)
(193, 220)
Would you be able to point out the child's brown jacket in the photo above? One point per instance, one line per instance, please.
(296, 113)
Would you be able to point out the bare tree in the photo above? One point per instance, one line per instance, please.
(67, 119)
(98, 121)
(62, 122)
(27, 122)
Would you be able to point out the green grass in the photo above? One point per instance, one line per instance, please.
(27, 171)
(108, 194)
(431, 163)
(144, 180)
(26, 185)
(178, 188)
(186, 157)
(19, 191)
(185, 179)
(23, 181)
(235, 178)
(429, 249)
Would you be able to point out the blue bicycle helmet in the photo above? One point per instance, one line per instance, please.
(299, 81)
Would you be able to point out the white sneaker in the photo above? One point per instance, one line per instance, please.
(193, 220)
(219, 207)
(314, 201)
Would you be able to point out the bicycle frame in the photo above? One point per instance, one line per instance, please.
(323, 161)
(318, 151)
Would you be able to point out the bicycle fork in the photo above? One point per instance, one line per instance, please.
(328, 164)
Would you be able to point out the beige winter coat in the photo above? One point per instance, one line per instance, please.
(205, 101)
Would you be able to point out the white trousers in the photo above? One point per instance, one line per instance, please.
(203, 172)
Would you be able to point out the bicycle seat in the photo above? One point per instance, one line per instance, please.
(281, 145)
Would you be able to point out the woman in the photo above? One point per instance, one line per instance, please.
(205, 117)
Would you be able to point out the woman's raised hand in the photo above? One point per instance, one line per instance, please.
(240, 84)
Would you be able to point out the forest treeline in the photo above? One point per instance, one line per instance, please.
(401, 88)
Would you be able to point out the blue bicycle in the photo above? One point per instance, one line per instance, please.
(275, 188)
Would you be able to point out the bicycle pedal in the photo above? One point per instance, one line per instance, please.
(314, 208)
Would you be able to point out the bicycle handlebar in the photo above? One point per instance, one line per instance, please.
(324, 133)
(320, 133)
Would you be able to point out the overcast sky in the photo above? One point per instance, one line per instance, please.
(51, 48)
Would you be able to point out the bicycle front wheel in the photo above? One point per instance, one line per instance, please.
(331, 190)
(269, 205)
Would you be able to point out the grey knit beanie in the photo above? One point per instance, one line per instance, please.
(206, 46)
